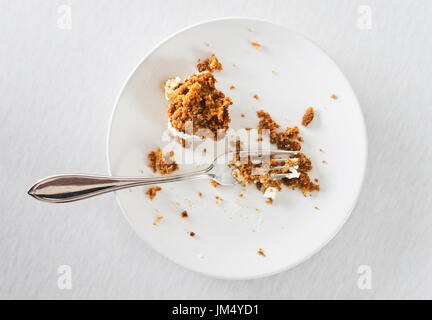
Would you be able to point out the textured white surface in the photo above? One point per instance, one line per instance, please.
(57, 88)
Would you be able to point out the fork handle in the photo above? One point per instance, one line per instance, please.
(72, 187)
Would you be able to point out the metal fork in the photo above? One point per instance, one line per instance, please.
(72, 187)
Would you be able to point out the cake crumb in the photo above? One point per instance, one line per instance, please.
(163, 164)
(316, 208)
(325, 162)
(210, 64)
(199, 194)
(214, 183)
(269, 201)
(261, 252)
(256, 45)
(333, 96)
(158, 219)
(243, 115)
(255, 96)
(308, 116)
(232, 87)
(151, 192)
(184, 214)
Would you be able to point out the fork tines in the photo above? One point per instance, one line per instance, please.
(277, 154)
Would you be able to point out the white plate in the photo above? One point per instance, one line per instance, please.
(228, 235)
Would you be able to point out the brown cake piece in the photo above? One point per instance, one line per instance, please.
(210, 64)
(151, 192)
(286, 140)
(197, 101)
(308, 116)
(160, 163)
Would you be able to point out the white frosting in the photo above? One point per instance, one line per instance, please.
(170, 84)
(294, 173)
(237, 175)
(177, 133)
(270, 193)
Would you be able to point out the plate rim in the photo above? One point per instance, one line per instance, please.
(362, 124)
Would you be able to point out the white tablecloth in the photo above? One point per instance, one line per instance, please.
(57, 89)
